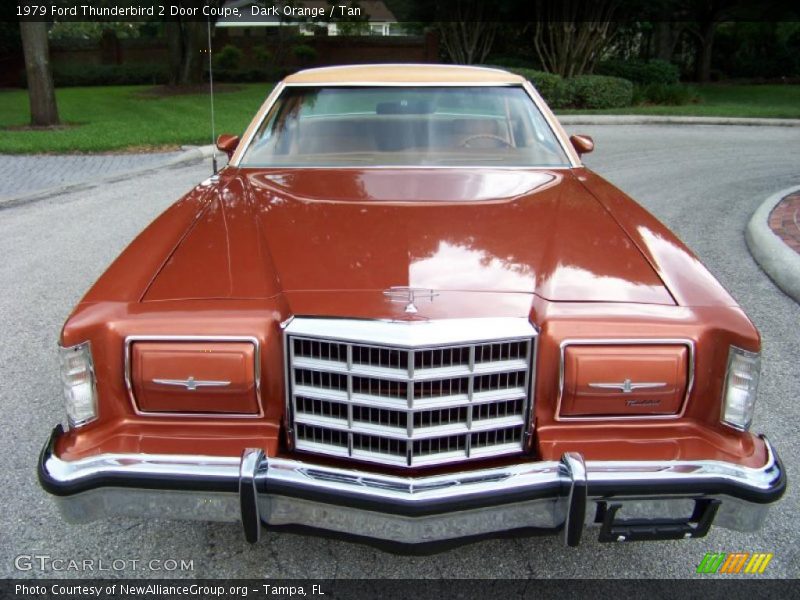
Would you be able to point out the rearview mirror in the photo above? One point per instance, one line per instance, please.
(228, 143)
(583, 144)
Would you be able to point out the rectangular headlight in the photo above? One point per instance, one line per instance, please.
(741, 383)
(77, 377)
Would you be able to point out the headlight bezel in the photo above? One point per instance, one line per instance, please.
(737, 412)
(77, 374)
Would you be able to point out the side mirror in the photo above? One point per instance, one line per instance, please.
(583, 144)
(228, 143)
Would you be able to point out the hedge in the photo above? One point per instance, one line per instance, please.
(585, 91)
(641, 72)
(597, 91)
(549, 85)
(149, 74)
(91, 75)
(229, 58)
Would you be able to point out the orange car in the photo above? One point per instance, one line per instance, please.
(406, 311)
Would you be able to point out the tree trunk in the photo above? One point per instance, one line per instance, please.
(467, 42)
(41, 95)
(705, 44)
(570, 36)
(194, 36)
(665, 37)
(465, 34)
(174, 49)
(185, 45)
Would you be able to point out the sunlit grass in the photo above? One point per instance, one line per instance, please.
(122, 118)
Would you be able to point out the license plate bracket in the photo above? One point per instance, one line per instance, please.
(615, 529)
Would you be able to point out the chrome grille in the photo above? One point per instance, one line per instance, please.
(408, 405)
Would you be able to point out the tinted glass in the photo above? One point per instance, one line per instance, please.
(405, 126)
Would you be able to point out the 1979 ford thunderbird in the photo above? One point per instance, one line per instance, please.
(405, 311)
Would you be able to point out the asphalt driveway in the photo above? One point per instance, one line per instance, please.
(703, 181)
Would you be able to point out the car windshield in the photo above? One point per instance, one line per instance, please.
(404, 126)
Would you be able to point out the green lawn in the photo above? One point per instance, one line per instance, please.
(722, 100)
(120, 118)
(127, 118)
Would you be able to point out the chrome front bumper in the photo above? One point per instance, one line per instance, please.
(631, 500)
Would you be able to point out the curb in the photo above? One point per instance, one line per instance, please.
(778, 260)
(658, 120)
(189, 156)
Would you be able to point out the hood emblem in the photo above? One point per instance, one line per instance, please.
(408, 296)
(192, 384)
(627, 386)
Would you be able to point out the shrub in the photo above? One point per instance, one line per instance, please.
(73, 75)
(597, 91)
(304, 52)
(549, 85)
(642, 72)
(229, 58)
(659, 93)
(262, 55)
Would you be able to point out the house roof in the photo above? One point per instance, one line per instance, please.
(404, 73)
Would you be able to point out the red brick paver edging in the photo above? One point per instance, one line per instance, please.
(784, 220)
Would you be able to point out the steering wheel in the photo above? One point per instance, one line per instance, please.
(486, 136)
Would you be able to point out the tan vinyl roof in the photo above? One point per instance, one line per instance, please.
(420, 73)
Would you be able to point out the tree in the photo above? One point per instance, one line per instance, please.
(707, 14)
(468, 38)
(665, 38)
(41, 95)
(185, 42)
(569, 36)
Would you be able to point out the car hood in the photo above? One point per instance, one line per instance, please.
(265, 232)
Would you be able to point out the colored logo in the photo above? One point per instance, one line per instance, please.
(732, 563)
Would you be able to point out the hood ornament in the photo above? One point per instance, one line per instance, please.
(627, 386)
(408, 296)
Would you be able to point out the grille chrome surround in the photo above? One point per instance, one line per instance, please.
(426, 395)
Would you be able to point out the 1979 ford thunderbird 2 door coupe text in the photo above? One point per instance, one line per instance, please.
(406, 311)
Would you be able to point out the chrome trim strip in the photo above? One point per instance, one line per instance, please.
(313, 364)
(129, 340)
(413, 489)
(627, 386)
(191, 383)
(255, 124)
(420, 168)
(625, 342)
(356, 83)
(413, 334)
(288, 384)
(530, 418)
(316, 481)
(553, 123)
